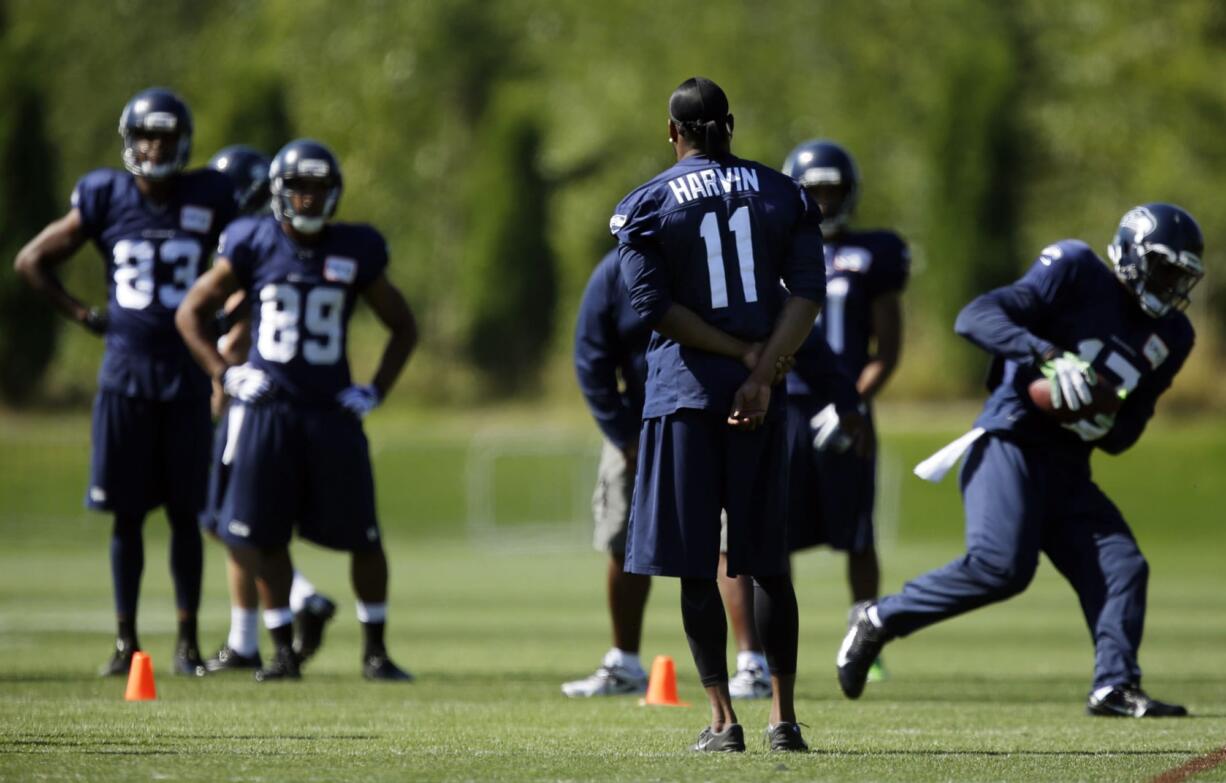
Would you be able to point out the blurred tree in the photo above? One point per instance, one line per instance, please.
(28, 327)
(508, 278)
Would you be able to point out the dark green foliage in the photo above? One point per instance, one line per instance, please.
(508, 278)
(28, 327)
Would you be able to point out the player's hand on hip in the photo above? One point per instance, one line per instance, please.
(95, 321)
(749, 404)
(246, 384)
(359, 399)
(1071, 381)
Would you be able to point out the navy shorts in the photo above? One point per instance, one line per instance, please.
(219, 473)
(830, 495)
(298, 467)
(692, 465)
(149, 453)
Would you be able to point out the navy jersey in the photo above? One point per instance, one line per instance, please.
(1070, 300)
(860, 266)
(302, 298)
(153, 255)
(715, 236)
(611, 340)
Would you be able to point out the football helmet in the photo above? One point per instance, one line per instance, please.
(829, 174)
(303, 160)
(155, 111)
(1157, 255)
(248, 168)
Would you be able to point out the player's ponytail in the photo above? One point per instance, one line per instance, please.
(716, 139)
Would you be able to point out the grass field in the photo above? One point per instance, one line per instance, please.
(496, 601)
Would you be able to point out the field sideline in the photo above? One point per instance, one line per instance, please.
(492, 619)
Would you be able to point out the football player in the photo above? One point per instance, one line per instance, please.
(832, 487)
(703, 246)
(300, 459)
(611, 365)
(1099, 334)
(248, 169)
(154, 225)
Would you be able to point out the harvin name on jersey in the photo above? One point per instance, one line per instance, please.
(713, 182)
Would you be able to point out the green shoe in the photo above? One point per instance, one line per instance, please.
(877, 672)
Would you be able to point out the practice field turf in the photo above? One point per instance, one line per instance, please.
(492, 608)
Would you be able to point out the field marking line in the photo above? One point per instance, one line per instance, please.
(1193, 766)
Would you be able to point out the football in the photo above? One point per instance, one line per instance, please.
(1106, 400)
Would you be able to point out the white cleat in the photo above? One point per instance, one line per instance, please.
(608, 681)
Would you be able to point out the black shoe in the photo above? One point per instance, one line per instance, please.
(309, 625)
(860, 648)
(378, 666)
(785, 736)
(730, 740)
(188, 662)
(120, 661)
(226, 660)
(1129, 701)
(283, 666)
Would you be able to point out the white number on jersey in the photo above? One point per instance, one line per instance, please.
(281, 328)
(833, 314)
(740, 226)
(134, 265)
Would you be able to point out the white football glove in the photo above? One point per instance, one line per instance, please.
(246, 384)
(359, 400)
(1071, 379)
(1091, 430)
(827, 435)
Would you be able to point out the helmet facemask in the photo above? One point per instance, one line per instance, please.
(835, 196)
(284, 189)
(1160, 277)
(138, 162)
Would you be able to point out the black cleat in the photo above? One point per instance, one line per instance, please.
(379, 667)
(226, 660)
(784, 736)
(309, 625)
(1129, 701)
(730, 740)
(120, 661)
(188, 662)
(283, 666)
(860, 648)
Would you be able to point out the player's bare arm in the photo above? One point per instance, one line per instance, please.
(887, 328)
(393, 312)
(685, 326)
(235, 340)
(195, 314)
(37, 261)
(752, 399)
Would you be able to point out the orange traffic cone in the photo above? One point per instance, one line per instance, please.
(662, 686)
(140, 679)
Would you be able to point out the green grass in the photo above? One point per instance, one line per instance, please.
(492, 615)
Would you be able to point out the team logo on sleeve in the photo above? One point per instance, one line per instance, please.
(616, 222)
(196, 219)
(340, 270)
(1155, 350)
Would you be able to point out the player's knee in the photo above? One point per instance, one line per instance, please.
(1005, 580)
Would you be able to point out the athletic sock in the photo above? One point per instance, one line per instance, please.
(706, 629)
(126, 632)
(280, 624)
(623, 659)
(127, 562)
(186, 560)
(187, 633)
(244, 636)
(300, 590)
(373, 618)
